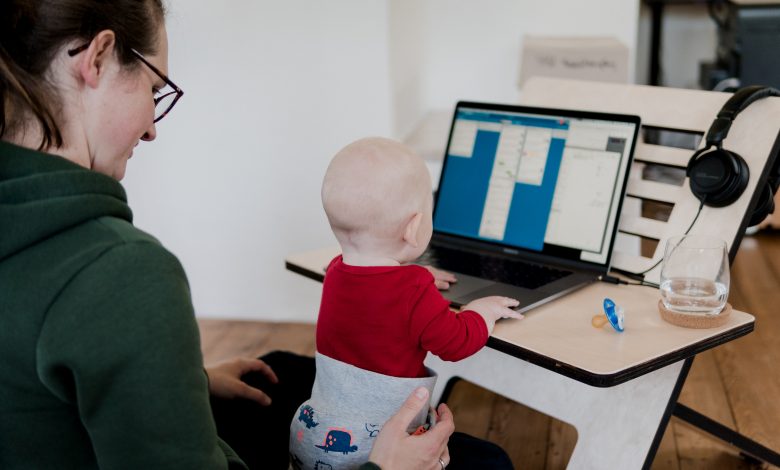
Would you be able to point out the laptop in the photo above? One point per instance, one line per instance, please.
(528, 200)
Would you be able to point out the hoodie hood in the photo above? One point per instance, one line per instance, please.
(42, 195)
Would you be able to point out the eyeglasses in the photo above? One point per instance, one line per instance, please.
(163, 100)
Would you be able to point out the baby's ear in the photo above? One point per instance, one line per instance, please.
(411, 229)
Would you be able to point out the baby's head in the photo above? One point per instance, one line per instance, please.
(377, 195)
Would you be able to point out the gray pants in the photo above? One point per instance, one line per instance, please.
(336, 427)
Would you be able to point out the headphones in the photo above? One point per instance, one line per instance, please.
(719, 176)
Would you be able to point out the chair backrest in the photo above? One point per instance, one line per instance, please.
(754, 136)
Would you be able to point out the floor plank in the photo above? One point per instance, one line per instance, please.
(749, 365)
(224, 339)
(472, 407)
(560, 445)
(704, 391)
(666, 457)
(523, 432)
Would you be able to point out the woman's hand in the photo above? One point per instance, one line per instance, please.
(225, 379)
(443, 279)
(394, 449)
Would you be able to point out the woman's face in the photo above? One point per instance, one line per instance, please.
(123, 111)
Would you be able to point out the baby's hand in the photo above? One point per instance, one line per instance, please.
(493, 308)
(443, 279)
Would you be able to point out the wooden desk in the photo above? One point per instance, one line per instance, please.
(617, 389)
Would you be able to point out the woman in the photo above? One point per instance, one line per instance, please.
(101, 357)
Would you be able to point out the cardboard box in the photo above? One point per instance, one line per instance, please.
(602, 59)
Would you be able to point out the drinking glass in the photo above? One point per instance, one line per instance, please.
(695, 275)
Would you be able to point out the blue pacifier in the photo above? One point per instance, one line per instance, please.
(612, 314)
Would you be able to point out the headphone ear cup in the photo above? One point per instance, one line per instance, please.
(691, 162)
(764, 206)
(718, 177)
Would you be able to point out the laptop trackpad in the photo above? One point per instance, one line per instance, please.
(466, 285)
(525, 296)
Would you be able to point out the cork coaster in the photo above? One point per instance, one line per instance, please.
(695, 321)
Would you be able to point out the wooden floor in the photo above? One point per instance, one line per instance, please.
(736, 384)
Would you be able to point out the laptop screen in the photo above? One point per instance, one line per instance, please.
(536, 180)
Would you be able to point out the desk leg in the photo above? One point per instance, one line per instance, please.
(751, 449)
(616, 426)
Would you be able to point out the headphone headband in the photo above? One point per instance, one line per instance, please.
(718, 176)
(743, 98)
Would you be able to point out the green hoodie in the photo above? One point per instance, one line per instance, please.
(100, 362)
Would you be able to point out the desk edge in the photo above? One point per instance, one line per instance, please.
(617, 378)
(582, 375)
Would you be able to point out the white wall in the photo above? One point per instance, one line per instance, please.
(274, 88)
(450, 50)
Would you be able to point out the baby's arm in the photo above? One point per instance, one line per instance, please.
(452, 336)
(493, 308)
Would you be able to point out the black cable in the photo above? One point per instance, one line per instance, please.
(644, 284)
(686, 233)
(631, 274)
(616, 280)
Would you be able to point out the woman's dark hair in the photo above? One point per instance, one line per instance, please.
(32, 32)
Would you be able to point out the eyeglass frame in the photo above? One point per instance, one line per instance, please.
(178, 91)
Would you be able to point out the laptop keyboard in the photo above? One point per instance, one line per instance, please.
(493, 268)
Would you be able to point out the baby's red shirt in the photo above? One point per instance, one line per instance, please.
(386, 318)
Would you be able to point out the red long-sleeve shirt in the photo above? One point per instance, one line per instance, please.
(385, 318)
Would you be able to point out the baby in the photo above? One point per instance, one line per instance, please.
(379, 315)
